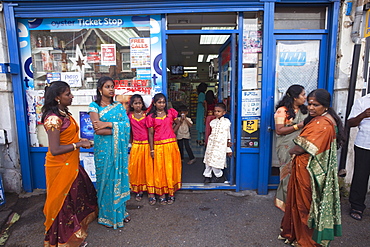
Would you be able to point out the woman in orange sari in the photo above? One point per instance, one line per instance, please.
(312, 213)
(71, 197)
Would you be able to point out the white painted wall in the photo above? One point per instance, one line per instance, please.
(9, 156)
(342, 76)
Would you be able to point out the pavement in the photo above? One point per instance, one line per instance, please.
(197, 218)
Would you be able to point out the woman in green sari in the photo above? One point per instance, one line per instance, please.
(289, 116)
(112, 132)
(312, 215)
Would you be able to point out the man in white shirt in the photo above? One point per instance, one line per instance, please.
(360, 117)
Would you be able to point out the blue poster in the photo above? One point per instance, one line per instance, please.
(86, 128)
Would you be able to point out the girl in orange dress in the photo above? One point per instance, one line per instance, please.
(140, 165)
(164, 149)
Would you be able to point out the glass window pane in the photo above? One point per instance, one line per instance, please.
(300, 17)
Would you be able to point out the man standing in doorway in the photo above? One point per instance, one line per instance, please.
(360, 116)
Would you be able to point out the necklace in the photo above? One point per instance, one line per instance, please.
(104, 103)
(324, 113)
(63, 113)
(159, 112)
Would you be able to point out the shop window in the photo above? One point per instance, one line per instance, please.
(80, 51)
(300, 17)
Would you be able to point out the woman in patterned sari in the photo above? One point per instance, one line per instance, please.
(112, 133)
(71, 197)
(312, 213)
(289, 116)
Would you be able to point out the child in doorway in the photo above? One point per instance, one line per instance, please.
(183, 134)
(218, 146)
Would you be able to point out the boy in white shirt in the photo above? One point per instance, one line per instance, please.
(218, 145)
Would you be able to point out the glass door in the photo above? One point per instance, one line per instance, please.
(298, 60)
(226, 94)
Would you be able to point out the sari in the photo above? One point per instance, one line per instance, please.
(312, 214)
(199, 121)
(283, 144)
(111, 163)
(71, 197)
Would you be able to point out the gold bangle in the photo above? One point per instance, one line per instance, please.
(152, 151)
(295, 127)
(74, 146)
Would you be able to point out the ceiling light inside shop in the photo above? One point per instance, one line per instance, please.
(211, 56)
(191, 71)
(187, 53)
(200, 58)
(190, 68)
(213, 39)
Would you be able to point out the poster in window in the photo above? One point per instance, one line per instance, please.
(108, 54)
(86, 128)
(140, 52)
(251, 103)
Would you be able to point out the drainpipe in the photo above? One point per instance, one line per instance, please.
(356, 39)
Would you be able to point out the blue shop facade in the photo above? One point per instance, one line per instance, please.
(248, 52)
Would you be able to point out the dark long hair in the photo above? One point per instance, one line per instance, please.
(324, 98)
(153, 109)
(202, 88)
(99, 87)
(210, 97)
(292, 93)
(55, 89)
(132, 99)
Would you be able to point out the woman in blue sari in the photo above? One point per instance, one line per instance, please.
(112, 132)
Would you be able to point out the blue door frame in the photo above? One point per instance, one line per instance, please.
(252, 165)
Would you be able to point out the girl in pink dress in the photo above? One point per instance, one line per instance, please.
(164, 149)
(140, 163)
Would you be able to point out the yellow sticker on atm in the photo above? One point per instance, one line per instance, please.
(250, 126)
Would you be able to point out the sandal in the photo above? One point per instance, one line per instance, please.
(163, 201)
(356, 214)
(170, 200)
(191, 161)
(152, 201)
(83, 244)
(139, 197)
(127, 219)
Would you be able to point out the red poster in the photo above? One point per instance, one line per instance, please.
(108, 54)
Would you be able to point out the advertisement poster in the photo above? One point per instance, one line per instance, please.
(250, 133)
(108, 54)
(140, 52)
(251, 103)
(252, 41)
(86, 128)
(88, 164)
(72, 78)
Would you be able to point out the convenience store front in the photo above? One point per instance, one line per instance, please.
(79, 42)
